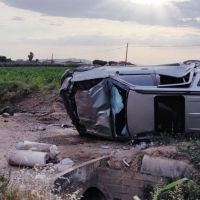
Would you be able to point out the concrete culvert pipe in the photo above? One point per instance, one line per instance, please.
(27, 158)
(34, 146)
(40, 147)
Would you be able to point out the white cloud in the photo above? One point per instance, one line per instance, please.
(86, 30)
(170, 13)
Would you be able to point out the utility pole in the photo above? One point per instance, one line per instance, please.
(126, 54)
(52, 58)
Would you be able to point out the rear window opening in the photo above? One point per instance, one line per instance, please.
(169, 114)
(142, 80)
(167, 80)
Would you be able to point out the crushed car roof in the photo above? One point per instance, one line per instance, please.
(175, 70)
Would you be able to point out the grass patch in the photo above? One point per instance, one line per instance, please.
(165, 139)
(16, 82)
(193, 150)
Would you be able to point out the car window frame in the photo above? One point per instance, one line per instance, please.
(153, 76)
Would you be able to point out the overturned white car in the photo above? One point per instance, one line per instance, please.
(128, 102)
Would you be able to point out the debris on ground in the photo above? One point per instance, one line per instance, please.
(104, 147)
(35, 128)
(126, 148)
(127, 161)
(115, 151)
(65, 126)
(48, 113)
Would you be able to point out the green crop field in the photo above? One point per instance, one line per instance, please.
(37, 78)
(17, 82)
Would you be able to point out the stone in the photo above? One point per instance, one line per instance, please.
(34, 128)
(67, 161)
(126, 148)
(41, 128)
(104, 147)
(5, 115)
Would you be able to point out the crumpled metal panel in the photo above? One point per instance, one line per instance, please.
(93, 107)
(177, 71)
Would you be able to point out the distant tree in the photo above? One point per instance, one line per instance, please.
(37, 61)
(30, 56)
(3, 59)
(99, 62)
(8, 60)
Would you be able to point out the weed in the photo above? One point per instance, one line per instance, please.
(3, 183)
(147, 191)
(193, 150)
(164, 139)
(186, 188)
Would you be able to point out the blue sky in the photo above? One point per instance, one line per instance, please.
(158, 31)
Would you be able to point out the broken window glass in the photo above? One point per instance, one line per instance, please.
(116, 100)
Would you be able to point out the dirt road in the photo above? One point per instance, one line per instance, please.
(24, 127)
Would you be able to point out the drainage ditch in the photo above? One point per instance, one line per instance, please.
(109, 178)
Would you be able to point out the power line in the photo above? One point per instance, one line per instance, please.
(139, 46)
(165, 46)
(106, 50)
(95, 51)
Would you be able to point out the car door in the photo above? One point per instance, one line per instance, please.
(118, 100)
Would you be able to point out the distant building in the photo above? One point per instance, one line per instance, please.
(47, 61)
